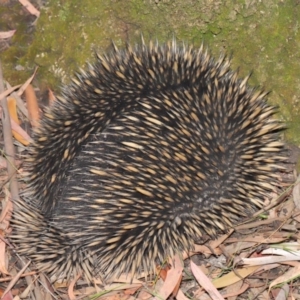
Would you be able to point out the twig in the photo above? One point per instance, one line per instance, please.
(8, 143)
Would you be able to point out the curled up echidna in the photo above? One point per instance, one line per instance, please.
(145, 152)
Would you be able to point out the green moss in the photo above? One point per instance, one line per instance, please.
(10, 58)
(263, 37)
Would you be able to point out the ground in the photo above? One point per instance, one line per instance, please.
(262, 36)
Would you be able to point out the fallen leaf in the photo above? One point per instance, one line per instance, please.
(7, 34)
(291, 274)
(12, 108)
(30, 7)
(233, 277)
(205, 282)
(32, 106)
(174, 276)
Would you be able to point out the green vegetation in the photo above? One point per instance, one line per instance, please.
(263, 37)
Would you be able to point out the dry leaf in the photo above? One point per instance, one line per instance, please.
(205, 282)
(3, 262)
(275, 256)
(12, 108)
(291, 274)
(174, 276)
(71, 287)
(296, 193)
(9, 91)
(234, 277)
(32, 106)
(30, 7)
(7, 34)
(233, 292)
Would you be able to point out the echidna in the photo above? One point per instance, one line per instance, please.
(148, 150)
